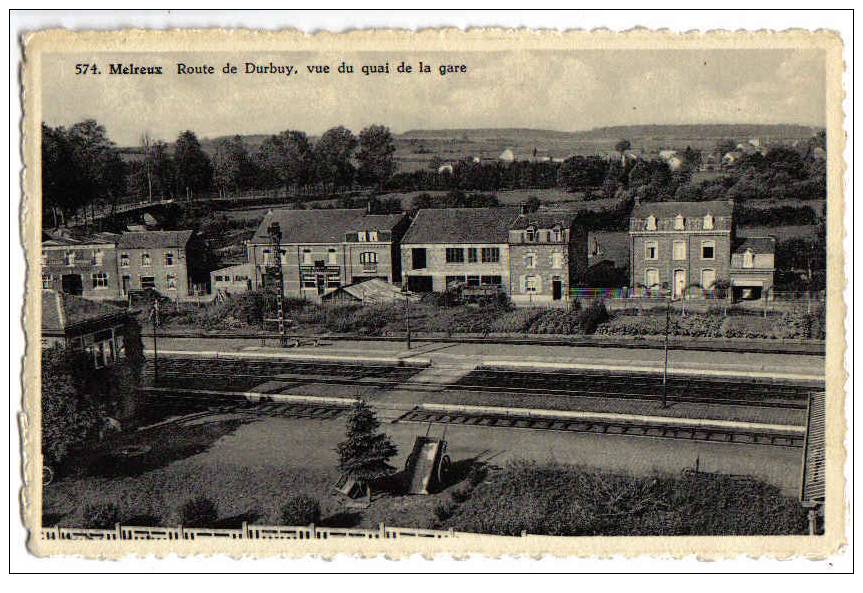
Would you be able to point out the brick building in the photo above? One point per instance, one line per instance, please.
(82, 266)
(322, 250)
(446, 246)
(170, 262)
(547, 254)
(690, 247)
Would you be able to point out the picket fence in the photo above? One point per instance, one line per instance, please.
(254, 532)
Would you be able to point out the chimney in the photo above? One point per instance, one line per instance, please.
(523, 207)
(369, 206)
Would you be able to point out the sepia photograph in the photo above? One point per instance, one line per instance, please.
(479, 289)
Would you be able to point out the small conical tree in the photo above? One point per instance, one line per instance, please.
(365, 453)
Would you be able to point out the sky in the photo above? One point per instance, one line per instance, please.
(556, 90)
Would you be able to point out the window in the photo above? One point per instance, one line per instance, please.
(100, 280)
(418, 258)
(679, 223)
(748, 259)
(454, 255)
(268, 257)
(145, 260)
(708, 249)
(556, 235)
(98, 257)
(47, 281)
(171, 280)
(530, 234)
(307, 257)
(453, 280)
(148, 282)
(651, 278)
(369, 260)
(102, 349)
(529, 260)
(361, 236)
(472, 255)
(531, 283)
(44, 259)
(491, 280)
(124, 260)
(679, 250)
(708, 279)
(169, 259)
(473, 280)
(332, 257)
(69, 258)
(334, 279)
(650, 223)
(490, 255)
(651, 250)
(708, 222)
(241, 278)
(284, 256)
(557, 260)
(373, 235)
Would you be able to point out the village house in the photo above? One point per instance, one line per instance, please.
(231, 279)
(106, 266)
(449, 246)
(322, 250)
(547, 254)
(82, 266)
(170, 262)
(690, 247)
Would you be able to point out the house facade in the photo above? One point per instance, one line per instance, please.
(322, 250)
(447, 246)
(690, 249)
(548, 254)
(85, 266)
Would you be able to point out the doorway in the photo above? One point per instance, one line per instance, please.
(556, 289)
(72, 284)
(679, 283)
(127, 284)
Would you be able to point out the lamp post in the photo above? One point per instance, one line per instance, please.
(154, 316)
(665, 345)
(405, 293)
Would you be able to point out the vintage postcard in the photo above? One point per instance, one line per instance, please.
(387, 292)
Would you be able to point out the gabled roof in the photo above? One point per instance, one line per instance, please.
(153, 239)
(719, 208)
(543, 220)
(62, 311)
(59, 240)
(756, 245)
(373, 290)
(323, 226)
(461, 225)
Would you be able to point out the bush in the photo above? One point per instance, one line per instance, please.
(477, 474)
(101, 515)
(301, 510)
(460, 494)
(444, 510)
(199, 511)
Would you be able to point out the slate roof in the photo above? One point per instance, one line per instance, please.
(756, 245)
(543, 220)
(323, 226)
(57, 240)
(153, 239)
(373, 290)
(718, 208)
(61, 312)
(461, 225)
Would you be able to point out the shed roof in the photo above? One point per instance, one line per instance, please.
(461, 225)
(323, 226)
(154, 239)
(62, 311)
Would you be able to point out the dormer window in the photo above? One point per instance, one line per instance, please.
(556, 232)
(679, 223)
(708, 222)
(373, 235)
(530, 234)
(650, 223)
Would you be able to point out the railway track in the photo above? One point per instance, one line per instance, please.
(247, 374)
(621, 427)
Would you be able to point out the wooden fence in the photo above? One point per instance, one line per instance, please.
(310, 532)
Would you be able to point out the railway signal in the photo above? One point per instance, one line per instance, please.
(275, 233)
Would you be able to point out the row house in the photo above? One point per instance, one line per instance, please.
(322, 250)
(448, 246)
(548, 256)
(107, 266)
(690, 247)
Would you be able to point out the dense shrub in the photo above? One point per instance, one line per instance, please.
(301, 510)
(360, 319)
(199, 511)
(554, 499)
(101, 515)
(695, 325)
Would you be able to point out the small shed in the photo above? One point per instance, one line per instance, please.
(373, 290)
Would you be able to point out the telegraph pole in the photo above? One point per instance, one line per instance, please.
(154, 314)
(407, 319)
(665, 366)
(275, 233)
